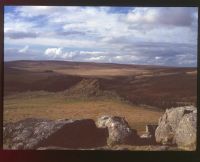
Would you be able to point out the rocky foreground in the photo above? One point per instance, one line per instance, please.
(176, 130)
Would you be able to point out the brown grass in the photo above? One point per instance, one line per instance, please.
(111, 90)
(56, 106)
(161, 87)
(192, 72)
(101, 72)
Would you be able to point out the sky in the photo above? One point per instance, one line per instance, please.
(126, 35)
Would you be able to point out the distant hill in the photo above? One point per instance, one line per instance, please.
(158, 86)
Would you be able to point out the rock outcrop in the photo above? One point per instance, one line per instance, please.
(178, 126)
(85, 88)
(36, 133)
(119, 130)
(149, 136)
(185, 134)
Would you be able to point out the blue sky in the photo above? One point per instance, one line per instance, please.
(128, 35)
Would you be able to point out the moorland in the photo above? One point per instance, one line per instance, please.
(74, 90)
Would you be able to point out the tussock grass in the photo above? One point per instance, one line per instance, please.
(47, 105)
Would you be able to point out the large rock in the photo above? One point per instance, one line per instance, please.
(171, 123)
(119, 130)
(185, 134)
(36, 133)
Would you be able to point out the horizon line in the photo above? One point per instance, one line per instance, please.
(105, 63)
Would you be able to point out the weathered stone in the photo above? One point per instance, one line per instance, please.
(150, 130)
(170, 122)
(20, 134)
(185, 134)
(35, 133)
(119, 130)
(149, 136)
(145, 136)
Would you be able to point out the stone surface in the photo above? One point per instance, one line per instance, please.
(149, 136)
(150, 130)
(143, 148)
(119, 130)
(172, 121)
(185, 134)
(176, 127)
(35, 133)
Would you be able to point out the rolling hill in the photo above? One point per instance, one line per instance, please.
(158, 86)
(61, 89)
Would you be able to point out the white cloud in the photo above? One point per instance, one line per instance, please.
(14, 23)
(32, 11)
(42, 41)
(142, 15)
(69, 55)
(99, 58)
(157, 57)
(82, 55)
(54, 52)
(176, 16)
(24, 50)
(125, 58)
(92, 53)
(96, 33)
(97, 24)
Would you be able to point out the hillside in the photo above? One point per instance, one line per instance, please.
(158, 86)
(47, 105)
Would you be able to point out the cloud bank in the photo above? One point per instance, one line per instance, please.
(129, 35)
